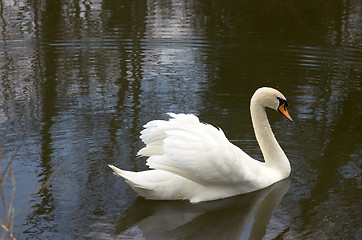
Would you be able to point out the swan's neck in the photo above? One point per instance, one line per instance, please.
(274, 155)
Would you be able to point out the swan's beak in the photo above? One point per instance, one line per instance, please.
(283, 110)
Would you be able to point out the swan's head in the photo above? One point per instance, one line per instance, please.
(271, 98)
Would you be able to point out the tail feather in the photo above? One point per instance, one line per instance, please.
(130, 178)
(117, 171)
(157, 184)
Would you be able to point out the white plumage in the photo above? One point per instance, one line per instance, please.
(195, 161)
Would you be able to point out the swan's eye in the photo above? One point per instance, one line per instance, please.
(282, 101)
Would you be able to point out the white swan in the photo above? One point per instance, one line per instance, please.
(195, 161)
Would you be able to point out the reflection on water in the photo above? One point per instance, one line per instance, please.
(79, 79)
(241, 217)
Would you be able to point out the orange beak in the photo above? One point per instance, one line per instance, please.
(283, 109)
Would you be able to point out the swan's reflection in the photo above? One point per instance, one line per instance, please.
(222, 219)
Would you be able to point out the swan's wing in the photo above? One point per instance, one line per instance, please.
(197, 151)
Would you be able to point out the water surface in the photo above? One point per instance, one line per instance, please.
(78, 80)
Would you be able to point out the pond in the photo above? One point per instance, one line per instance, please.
(79, 79)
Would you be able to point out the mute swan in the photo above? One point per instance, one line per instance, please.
(194, 161)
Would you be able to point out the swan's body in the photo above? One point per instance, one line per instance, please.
(195, 161)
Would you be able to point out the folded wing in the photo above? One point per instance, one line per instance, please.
(194, 150)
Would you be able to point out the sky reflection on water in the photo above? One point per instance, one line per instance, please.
(79, 80)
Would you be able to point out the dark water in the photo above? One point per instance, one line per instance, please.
(79, 79)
